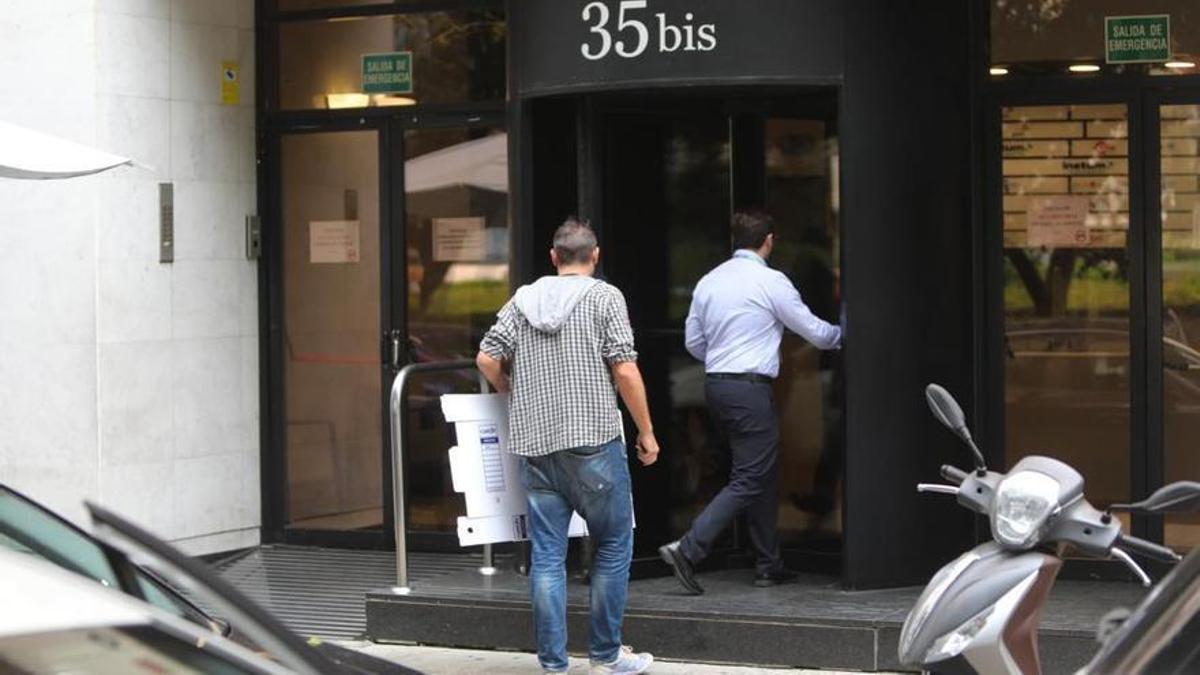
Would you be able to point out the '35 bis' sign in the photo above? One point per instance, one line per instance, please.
(562, 46)
(633, 28)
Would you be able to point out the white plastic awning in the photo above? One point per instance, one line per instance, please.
(32, 155)
(480, 163)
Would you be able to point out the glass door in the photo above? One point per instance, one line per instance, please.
(393, 250)
(1098, 288)
(665, 223)
(385, 238)
(800, 162)
(1065, 177)
(1178, 211)
(331, 215)
(456, 265)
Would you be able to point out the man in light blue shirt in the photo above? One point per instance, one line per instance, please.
(738, 314)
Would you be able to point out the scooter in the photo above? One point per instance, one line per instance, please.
(980, 613)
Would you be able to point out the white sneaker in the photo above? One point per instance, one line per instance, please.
(627, 663)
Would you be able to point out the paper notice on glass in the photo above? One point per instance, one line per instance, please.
(1059, 221)
(333, 241)
(459, 240)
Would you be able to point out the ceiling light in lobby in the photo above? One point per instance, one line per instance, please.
(998, 70)
(383, 100)
(1180, 65)
(347, 100)
(1084, 68)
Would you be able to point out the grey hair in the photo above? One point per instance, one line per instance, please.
(574, 241)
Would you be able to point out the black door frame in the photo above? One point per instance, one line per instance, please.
(1140, 95)
(275, 476)
(391, 129)
(391, 123)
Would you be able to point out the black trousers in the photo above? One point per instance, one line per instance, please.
(745, 414)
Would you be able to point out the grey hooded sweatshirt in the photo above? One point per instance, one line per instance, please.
(548, 302)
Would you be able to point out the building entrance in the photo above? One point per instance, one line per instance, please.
(661, 179)
(657, 149)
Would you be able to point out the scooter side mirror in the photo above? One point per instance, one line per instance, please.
(949, 413)
(1179, 497)
(947, 410)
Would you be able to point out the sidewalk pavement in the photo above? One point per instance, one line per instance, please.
(442, 661)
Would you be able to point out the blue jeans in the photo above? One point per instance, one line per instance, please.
(593, 481)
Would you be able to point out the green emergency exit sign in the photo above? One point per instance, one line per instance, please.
(1137, 39)
(387, 73)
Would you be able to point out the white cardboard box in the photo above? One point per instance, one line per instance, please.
(486, 473)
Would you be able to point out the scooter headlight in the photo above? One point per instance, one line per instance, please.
(1023, 503)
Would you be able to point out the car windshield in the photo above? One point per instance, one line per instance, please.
(27, 528)
(116, 650)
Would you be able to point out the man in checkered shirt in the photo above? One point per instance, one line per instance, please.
(569, 349)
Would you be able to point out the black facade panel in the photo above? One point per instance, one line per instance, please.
(907, 184)
(744, 42)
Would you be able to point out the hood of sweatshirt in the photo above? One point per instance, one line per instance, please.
(548, 302)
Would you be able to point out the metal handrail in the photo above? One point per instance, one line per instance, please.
(399, 388)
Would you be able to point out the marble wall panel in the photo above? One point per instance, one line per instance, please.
(137, 393)
(133, 55)
(135, 301)
(208, 411)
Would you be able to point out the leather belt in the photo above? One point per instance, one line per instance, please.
(744, 377)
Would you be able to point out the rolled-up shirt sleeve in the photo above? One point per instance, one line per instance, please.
(617, 346)
(500, 342)
(798, 318)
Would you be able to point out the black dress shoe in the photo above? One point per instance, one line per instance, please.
(818, 505)
(681, 566)
(774, 578)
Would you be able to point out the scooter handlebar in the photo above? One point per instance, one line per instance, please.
(1147, 548)
(954, 474)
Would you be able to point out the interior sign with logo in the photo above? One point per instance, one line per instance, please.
(1137, 39)
(634, 28)
(387, 73)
